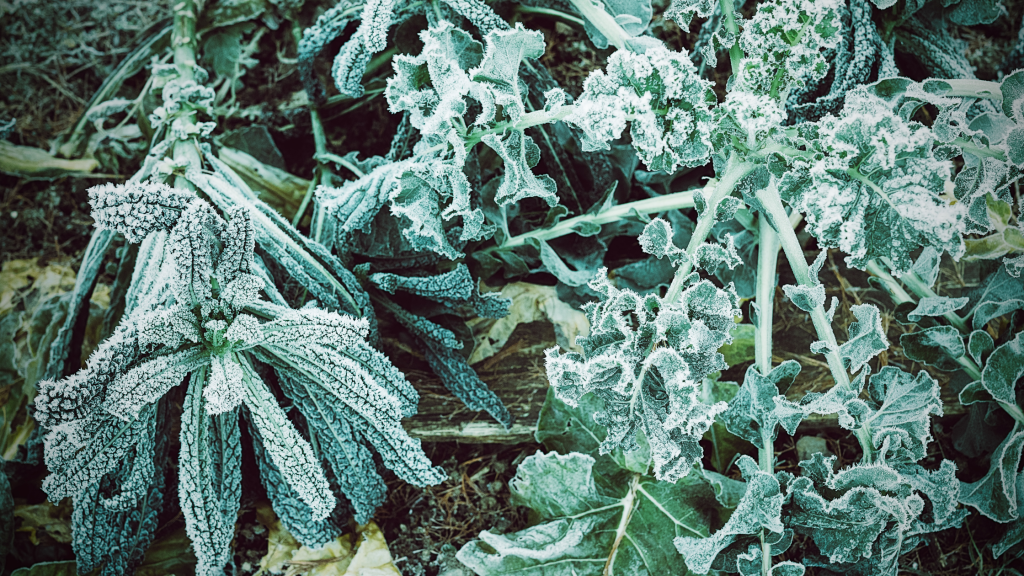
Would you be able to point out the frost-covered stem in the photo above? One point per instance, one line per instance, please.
(767, 261)
(320, 145)
(678, 200)
(922, 290)
(620, 532)
(982, 151)
(971, 88)
(524, 9)
(183, 43)
(528, 120)
(735, 52)
(735, 170)
(604, 22)
(777, 216)
(900, 296)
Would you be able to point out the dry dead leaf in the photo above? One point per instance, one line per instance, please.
(530, 303)
(363, 553)
(55, 521)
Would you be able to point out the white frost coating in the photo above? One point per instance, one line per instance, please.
(137, 209)
(873, 188)
(642, 350)
(290, 452)
(225, 388)
(661, 95)
(784, 44)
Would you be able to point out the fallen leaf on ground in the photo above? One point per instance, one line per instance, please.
(530, 303)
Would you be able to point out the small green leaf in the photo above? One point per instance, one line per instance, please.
(938, 346)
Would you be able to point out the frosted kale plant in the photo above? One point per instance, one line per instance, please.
(496, 174)
(208, 322)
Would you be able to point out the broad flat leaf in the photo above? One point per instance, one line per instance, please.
(1004, 368)
(938, 346)
(1015, 531)
(998, 294)
(760, 508)
(753, 413)
(867, 339)
(936, 306)
(578, 513)
(980, 345)
(995, 495)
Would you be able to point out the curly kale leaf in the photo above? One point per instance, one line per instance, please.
(752, 413)
(660, 94)
(873, 187)
(646, 358)
(784, 43)
(437, 88)
(864, 517)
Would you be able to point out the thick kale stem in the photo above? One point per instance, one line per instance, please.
(183, 43)
(735, 170)
(735, 52)
(604, 22)
(678, 200)
(767, 261)
(921, 289)
(524, 9)
(628, 505)
(776, 214)
(971, 88)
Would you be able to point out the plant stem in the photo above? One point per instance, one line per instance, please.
(524, 9)
(735, 170)
(183, 44)
(628, 504)
(678, 200)
(604, 22)
(735, 52)
(970, 88)
(767, 261)
(900, 296)
(922, 290)
(777, 216)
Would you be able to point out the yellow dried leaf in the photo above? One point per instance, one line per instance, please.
(530, 303)
(364, 553)
(29, 162)
(55, 521)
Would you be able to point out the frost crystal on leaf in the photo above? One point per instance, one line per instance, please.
(661, 95)
(873, 188)
(647, 358)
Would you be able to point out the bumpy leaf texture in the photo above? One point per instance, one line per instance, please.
(760, 508)
(873, 188)
(647, 358)
(661, 96)
(784, 44)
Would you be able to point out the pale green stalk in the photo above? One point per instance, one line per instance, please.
(735, 170)
(767, 261)
(776, 214)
